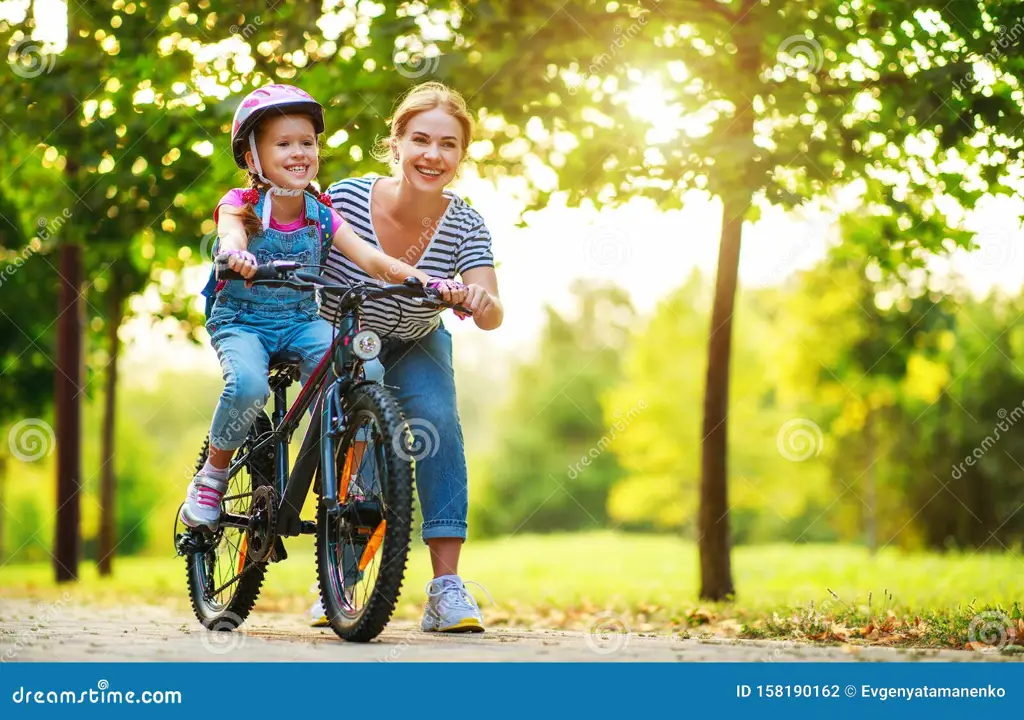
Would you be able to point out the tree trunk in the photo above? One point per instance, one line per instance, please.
(67, 398)
(108, 512)
(715, 563)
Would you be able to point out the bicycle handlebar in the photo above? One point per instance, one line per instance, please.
(282, 273)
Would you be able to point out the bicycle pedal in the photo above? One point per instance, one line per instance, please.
(278, 554)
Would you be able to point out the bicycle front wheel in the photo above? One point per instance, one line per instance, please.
(362, 550)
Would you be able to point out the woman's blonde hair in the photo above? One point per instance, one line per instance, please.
(425, 96)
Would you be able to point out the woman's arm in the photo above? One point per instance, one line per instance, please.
(482, 297)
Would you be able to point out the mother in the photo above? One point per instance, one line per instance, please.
(412, 216)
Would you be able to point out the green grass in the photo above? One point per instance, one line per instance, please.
(650, 583)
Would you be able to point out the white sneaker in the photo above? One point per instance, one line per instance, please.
(450, 607)
(202, 502)
(317, 614)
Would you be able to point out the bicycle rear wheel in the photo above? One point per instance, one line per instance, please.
(222, 555)
(362, 551)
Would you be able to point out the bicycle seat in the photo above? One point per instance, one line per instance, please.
(285, 360)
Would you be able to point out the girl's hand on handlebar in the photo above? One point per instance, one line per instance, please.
(241, 261)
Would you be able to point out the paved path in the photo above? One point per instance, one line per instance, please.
(32, 630)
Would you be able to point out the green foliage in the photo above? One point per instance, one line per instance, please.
(550, 470)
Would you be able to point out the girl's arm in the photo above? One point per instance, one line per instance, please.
(233, 239)
(371, 260)
(230, 228)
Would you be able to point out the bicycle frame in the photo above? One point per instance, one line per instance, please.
(318, 446)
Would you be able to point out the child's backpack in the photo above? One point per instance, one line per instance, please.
(213, 286)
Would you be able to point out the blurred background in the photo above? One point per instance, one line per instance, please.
(861, 345)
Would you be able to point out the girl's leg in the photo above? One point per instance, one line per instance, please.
(244, 364)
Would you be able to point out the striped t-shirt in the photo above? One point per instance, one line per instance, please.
(461, 242)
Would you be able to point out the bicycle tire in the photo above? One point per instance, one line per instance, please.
(396, 488)
(201, 567)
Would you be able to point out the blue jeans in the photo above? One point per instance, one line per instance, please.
(245, 335)
(420, 375)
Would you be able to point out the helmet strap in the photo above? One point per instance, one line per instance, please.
(274, 189)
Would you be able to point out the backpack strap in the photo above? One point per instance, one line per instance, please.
(323, 221)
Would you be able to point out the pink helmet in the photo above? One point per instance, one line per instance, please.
(283, 99)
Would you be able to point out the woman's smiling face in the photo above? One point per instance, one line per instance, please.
(288, 151)
(430, 150)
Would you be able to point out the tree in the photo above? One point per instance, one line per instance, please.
(777, 101)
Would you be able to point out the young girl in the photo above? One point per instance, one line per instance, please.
(274, 137)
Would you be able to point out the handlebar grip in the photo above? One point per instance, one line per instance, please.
(263, 272)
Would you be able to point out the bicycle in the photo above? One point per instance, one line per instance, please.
(363, 481)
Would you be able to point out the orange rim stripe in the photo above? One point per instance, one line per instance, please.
(373, 545)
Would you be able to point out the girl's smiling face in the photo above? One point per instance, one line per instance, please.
(430, 150)
(288, 151)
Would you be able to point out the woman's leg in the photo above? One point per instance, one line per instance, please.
(422, 373)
